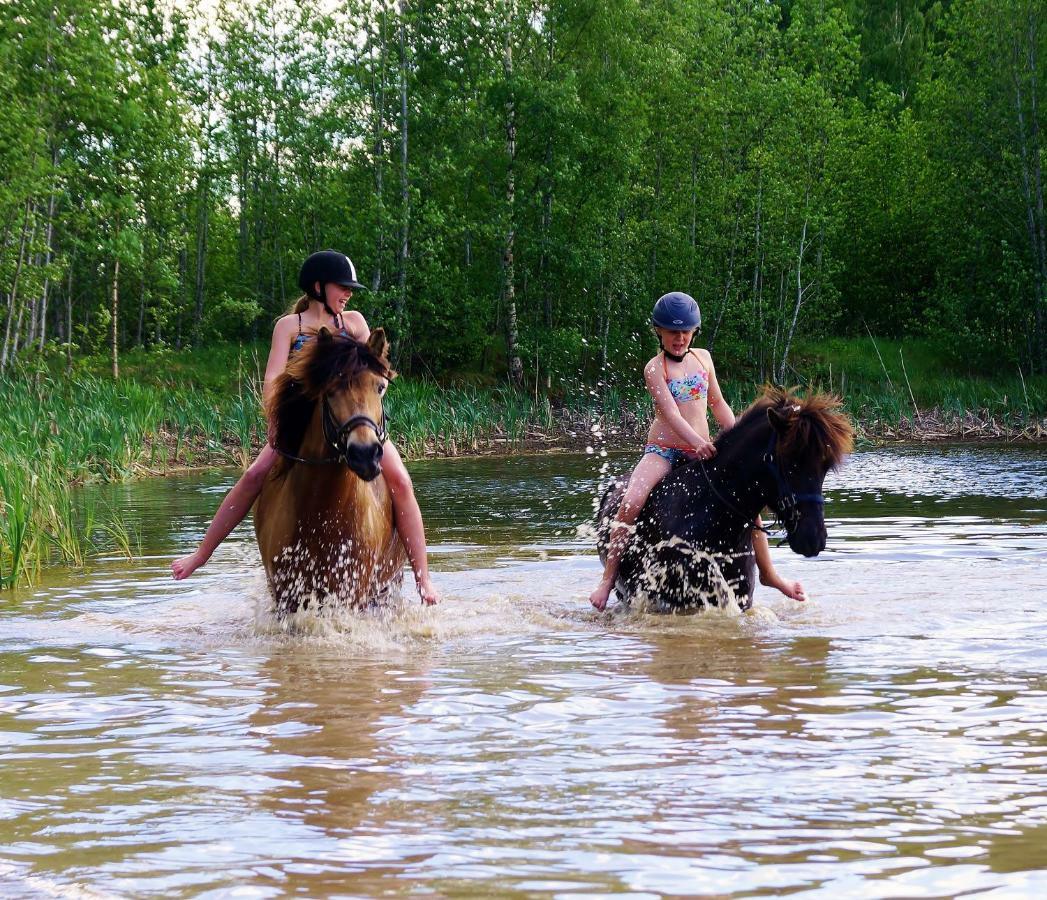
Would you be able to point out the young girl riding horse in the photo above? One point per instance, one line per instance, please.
(328, 279)
(683, 385)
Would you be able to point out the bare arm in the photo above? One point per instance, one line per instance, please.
(717, 405)
(670, 412)
(283, 336)
(356, 325)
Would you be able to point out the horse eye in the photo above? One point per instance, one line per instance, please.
(382, 385)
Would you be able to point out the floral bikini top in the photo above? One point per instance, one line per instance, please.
(302, 337)
(690, 387)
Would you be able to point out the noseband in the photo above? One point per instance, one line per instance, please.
(337, 436)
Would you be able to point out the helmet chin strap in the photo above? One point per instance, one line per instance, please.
(670, 354)
(323, 299)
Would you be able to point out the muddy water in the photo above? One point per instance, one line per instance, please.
(888, 738)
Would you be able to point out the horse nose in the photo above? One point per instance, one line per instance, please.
(808, 537)
(365, 459)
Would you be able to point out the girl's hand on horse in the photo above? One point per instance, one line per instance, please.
(705, 450)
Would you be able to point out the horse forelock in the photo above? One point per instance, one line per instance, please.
(816, 424)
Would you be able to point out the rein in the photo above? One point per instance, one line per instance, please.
(335, 433)
(733, 507)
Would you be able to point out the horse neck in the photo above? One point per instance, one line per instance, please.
(738, 472)
(314, 445)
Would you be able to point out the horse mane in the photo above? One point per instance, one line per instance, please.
(815, 423)
(312, 372)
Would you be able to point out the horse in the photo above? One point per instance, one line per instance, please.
(324, 519)
(692, 545)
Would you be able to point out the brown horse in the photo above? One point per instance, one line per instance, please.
(324, 520)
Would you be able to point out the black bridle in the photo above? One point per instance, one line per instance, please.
(337, 436)
(788, 499)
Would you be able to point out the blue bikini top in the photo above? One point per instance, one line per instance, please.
(302, 337)
(690, 387)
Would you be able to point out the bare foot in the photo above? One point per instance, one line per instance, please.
(792, 589)
(598, 598)
(427, 592)
(184, 567)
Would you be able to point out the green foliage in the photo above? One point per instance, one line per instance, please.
(805, 169)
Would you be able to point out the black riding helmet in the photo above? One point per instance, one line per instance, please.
(327, 267)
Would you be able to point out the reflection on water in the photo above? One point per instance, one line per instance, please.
(885, 739)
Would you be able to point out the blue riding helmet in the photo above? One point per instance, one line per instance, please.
(677, 311)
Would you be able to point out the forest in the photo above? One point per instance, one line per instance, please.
(517, 181)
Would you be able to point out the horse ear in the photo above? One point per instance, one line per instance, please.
(780, 418)
(377, 343)
(324, 335)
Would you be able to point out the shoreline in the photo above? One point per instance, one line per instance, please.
(928, 429)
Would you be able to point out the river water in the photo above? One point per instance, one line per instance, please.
(888, 738)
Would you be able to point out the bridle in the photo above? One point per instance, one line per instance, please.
(337, 436)
(788, 499)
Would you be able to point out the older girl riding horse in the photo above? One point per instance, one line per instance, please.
(693, 541)
(324, 520)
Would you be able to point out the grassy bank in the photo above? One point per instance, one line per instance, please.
(170, 411)
(912, 390)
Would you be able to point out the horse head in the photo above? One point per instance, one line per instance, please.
(809, 436)
(348, 378)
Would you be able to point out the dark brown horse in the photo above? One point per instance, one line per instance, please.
(324, 520)
(693, 541)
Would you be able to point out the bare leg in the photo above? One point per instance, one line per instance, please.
(651, 469)
(768, 573)
(408, 520)
(230, 514)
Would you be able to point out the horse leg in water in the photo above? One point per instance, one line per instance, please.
(230, 513)
(651, 469)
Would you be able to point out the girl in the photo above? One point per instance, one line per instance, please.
(328, 279)
(683, 383)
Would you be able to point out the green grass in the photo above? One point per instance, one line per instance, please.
(883, 381)
(62, 428)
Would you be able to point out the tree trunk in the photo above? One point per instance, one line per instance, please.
(116, 317)
(141, 313)
(547, 204)
(655, 231)
(1032, 183)
(512, 332)
(757, 287)
(48, 256)
(5, 354)
(547, 219)
(800, 293)
(202, 217)
(378, 92)
(69, 317)
(729, 283)
(405, 187)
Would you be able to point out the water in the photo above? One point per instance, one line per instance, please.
(888, 738)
